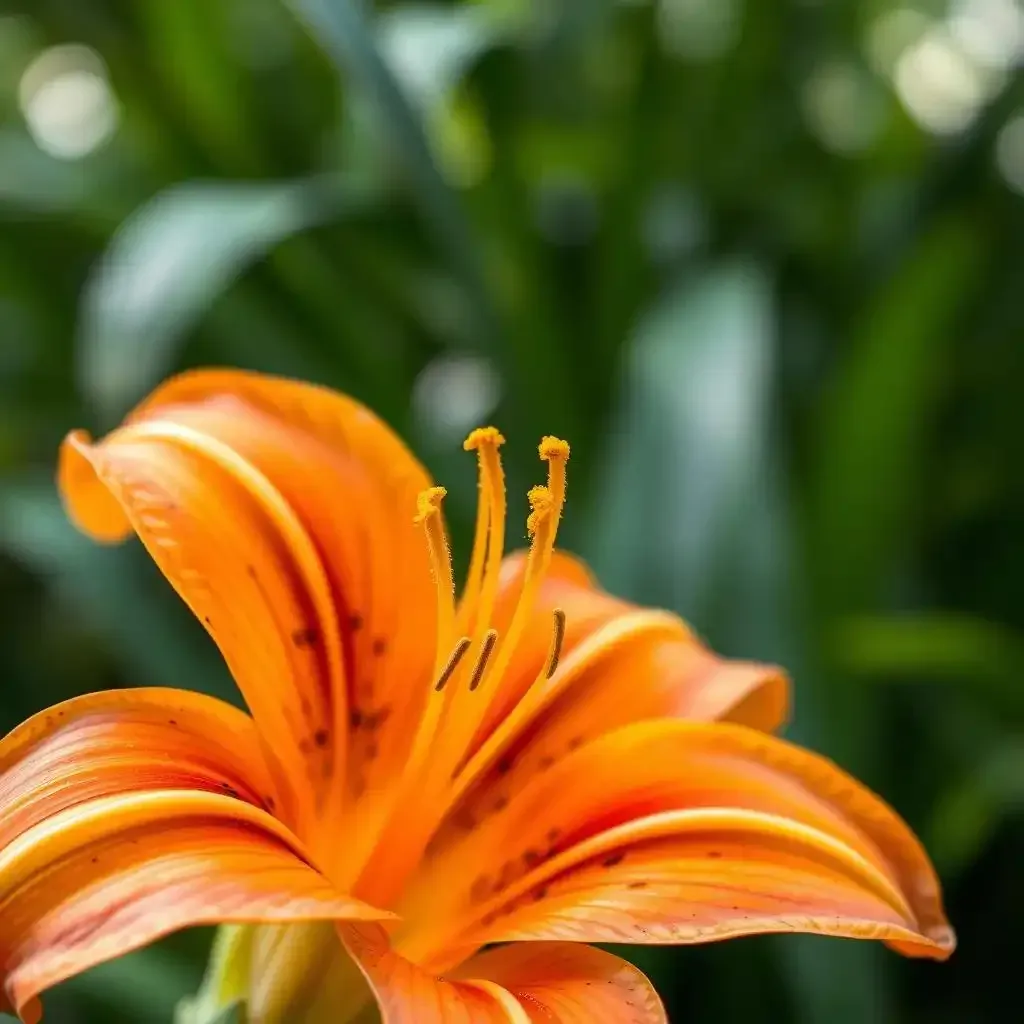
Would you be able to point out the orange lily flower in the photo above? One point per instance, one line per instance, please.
(420, 778)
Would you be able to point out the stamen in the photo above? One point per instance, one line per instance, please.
(489, 542)
(429, 515)
(453, 663)
(556, 643)
(490, 639)
(542, 526)
(555, 452)
(542, 503)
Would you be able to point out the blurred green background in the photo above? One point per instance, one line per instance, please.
(760, 261)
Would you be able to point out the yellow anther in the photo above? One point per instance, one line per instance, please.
(542, 504)
(483, 436)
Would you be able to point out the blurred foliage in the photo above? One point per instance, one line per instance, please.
(759, 261)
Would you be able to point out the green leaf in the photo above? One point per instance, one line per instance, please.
(688, 442)
(877, 418)
(344, 31)
(982, 657)
(143, 985)
(31, 180)
(167, 264)
(969, 813)
(429, 48)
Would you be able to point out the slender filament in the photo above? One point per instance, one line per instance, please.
(429, 516)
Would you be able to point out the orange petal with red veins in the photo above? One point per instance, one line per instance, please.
(619, 664)
(749, 814)
(570, 983)
(353, 485)
(281, 512)
(112, 874)
(123, 741)
(738, 874)
(234, 551)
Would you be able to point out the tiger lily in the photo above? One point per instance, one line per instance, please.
(433, 803)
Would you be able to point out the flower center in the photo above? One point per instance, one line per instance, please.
(471, 656)
(469, 626)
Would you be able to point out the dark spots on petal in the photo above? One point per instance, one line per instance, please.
(375, 719)
(172, 721)
(320, 738)
(714, 854)
(372, 751)
(95, 860)
(554, 834)
(355, 622)
(230, 790)
(380, 645)
(500, 803)
(206, 619)
(637, 885)
(531, 858)
(464, 819)
(305, 636)
(545, 762)
(504, 765)
(270, 803)
(612, 859)
(355, 718)
(305, 746)
(539, 893)
(506, 876)
(576, 742)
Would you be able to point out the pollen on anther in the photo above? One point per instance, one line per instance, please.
(553, 448)
(428, 502)
(541, 505)
(482, 436)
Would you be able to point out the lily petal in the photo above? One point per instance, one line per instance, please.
(101, 878)
(569, 983)
(735, 816)
(213, 471)
(360, 519)
(618, 664)
(122, 741)
(406, 993)
(532, 983)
